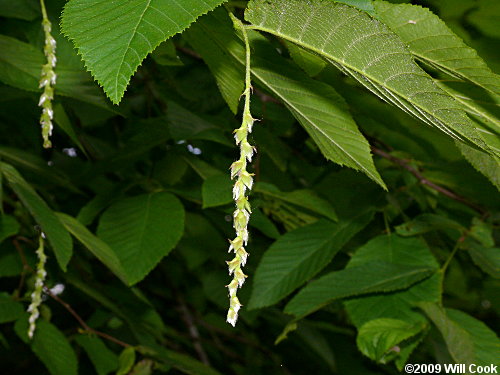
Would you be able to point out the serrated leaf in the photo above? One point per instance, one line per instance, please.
(401, 304)
(370, 277)
(58, 236)
(103, 359)
(377, 337)
(458, 340)
(432, 42)
(486, 342)
(317, 106)
(50, 345)
(95, 245)
(10, 310)
(115, 37)
(142, 230)
(367, 50)
(488, 259)
(299, 255)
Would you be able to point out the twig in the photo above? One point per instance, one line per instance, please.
(67, 306)
(193, 331)
(424, 181)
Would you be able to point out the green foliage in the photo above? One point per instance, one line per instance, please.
(114, 44)
(359, 270)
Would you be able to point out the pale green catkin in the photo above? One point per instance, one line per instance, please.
(244, 181)
(36, 296)
(47, 80)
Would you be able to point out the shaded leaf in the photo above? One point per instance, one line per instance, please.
(142, 230)
(103, 359)
(371, 277)
(216, 191)
(57, 235)
(299, 255)
(10, 310)
(95, 245)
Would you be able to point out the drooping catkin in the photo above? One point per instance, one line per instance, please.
(243, 181)
(36, 295)
(47, 80)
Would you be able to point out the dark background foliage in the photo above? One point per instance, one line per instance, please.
(149, 178)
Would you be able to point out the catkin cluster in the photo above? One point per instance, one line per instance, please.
(241, 216)
(47, 80)
(36, 296)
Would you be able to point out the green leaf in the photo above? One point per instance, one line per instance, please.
(10, 263)
(371, 277)
(488, 259)
(367, 50)
(50, 346)
(485, 341)
(427, 223)
(21, 9)
(299, 255)
(20, 66)
(302, 198)
(57, 235)
(187, 125)
(377, 337)
(103, 359)
(126, 360)
(114, 38)
(142, 230)
(366, 5)
(309, 62)
(95, 245)
(432, 42)
(400, 304)
(216, 191)
(458, 340)
(485, 18)
(317, 106)
(10, 310)
(8, 227)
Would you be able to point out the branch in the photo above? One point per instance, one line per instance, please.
(67, 306)
(424, 181)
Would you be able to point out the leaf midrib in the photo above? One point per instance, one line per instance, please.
(341, 62)
(223, 47)
(128, 47)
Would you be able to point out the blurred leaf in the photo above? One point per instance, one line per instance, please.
(142, 230)
(50, 345)
(216, 191)
(486, 17)
(485, 341)
(57, 235)
(21, 9)
(10, 310)
(126, 361)
(103, 359)
(488, 259)
(427, 223)
(8, 227)
(303, 198)
(165, 54)
(377, 338)
(299, 255)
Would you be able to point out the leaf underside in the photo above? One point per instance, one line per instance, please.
(370, 52)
